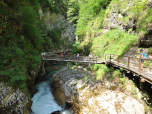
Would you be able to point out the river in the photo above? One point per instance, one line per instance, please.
(43, 100)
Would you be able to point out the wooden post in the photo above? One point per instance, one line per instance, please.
(141, 83)
(140, 65)
(110, 58)
(128, 61)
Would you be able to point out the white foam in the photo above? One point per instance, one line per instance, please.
(43, 100)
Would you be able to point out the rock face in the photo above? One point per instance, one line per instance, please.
(58, 21)
(89, 96)
(110, 102)
(13, 101)
(34, 74)
(124, 15)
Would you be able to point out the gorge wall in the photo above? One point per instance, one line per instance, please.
(57, 21)
(26, 32)
(79, 87)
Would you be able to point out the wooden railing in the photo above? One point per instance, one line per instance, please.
(95, 59)
(131, 63)
(127, 62)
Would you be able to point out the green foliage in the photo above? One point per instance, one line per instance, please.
(137, 10)
(101, 71)
(89, 11)
(88, 77)
(133, 88)
(88, 68)
(22, 37)
(55, 37)
(150, 50)
(117, 73)
(96, 67)
(122, 80)
(57, 6)
(113, 42)
(76, 47)
(146, 63)
(73, 10)
(124, 63)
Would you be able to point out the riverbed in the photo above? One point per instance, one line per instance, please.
(43, 100)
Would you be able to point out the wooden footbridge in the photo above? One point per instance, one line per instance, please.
(129, 64)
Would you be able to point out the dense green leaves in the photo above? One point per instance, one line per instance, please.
(89, 10)
(22, 37)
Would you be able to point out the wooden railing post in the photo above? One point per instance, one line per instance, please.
(128, 61)
(140, 65)
(110, 58)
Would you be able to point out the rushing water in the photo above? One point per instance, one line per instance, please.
(43, 100)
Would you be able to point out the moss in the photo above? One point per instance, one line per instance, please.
(150, 50)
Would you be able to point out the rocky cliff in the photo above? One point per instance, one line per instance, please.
(33, 75)
(128, 15)
(59, 22)
(13, 101)
(78, 87)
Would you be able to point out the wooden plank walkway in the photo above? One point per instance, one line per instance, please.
(130, 64)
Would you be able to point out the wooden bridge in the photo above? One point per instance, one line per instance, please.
(129, 64)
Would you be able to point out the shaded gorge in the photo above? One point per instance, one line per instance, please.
(43, 100)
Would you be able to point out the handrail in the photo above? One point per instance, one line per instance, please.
(129, 61)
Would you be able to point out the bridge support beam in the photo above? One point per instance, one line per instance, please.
(141, 85)
(123, 74)
(141, 82)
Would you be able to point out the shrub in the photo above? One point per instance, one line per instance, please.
(96, 66)
(101, 72)
(76, 47)
(146, 63)
(150, 50)
(122, 80)
(88, 68)
(117, 73)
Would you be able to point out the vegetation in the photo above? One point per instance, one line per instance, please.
(76, 47)
(146, 63)
(113, 42)
(23, 37)
(150, 50)
(117, 73)
(56, 6)
(137, 11)
(100, 70)
(90, 19)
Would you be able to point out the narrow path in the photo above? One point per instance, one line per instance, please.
(131, 64)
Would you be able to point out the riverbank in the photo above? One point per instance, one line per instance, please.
(87, 94)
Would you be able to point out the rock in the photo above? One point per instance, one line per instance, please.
(59, 21)
(56, 112)
(95, 96)
(13, 101)
(80, 67)
(115, 102)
